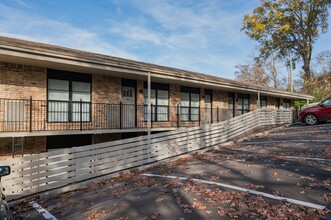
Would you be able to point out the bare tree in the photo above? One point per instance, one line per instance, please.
(254, 74)
(271, 70)
(323, 60)
(320, 84)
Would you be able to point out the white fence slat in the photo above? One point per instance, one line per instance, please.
(112, 143)
(142, 160)
(41, 175)
(42, 188)
(119, 147)
(27, 159)
(37, 169)
(133, 162)
(47, 180)
(42, 162)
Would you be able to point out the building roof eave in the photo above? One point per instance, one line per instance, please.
(52, 56)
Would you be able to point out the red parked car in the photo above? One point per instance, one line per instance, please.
(315, 114)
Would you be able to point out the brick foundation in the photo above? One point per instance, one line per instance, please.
(31, 145)
(100, 138)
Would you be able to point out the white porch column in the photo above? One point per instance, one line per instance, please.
(149, 115)
(258, 100)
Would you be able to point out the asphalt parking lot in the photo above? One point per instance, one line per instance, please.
(291, 166)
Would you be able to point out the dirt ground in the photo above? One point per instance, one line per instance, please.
(293, 162)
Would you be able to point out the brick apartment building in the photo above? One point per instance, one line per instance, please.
(53, 97)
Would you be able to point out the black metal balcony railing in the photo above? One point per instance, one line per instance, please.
(24, 115)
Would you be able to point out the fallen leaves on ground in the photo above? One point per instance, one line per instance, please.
(327, 197)
(96, 214)
(252, 186)
(240, 204)
(199, 205)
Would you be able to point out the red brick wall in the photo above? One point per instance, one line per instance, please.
(252, 102)
(106, 89)
(31, 145)
(220, 99)
(21, 82)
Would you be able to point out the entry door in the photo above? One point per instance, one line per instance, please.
(208, 110)
(128, 107)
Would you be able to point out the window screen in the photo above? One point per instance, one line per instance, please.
(159, 102)
(65, 91)
(14, 112)
(189, 104)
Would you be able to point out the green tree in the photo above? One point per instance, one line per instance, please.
(284, 27)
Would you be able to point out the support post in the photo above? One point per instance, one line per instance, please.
(30, 122)
(199, 115)
(211, 115)
(81, 114)
(178, 116)
(121, 119)
(136, 114)
(152, 115)
(217, 116)
(149, 108)
(258, 100)
(13, 146)
(22, 146)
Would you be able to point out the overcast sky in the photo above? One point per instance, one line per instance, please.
(201, 36)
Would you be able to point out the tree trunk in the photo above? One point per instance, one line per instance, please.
(307, 76)
(274, 74)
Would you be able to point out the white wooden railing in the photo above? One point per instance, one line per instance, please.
(45, 171)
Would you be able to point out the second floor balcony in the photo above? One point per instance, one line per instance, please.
(28, 115)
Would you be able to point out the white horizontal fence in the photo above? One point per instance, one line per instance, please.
(45, 171)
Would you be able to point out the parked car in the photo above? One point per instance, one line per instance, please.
(309, 105)
(315, 114)
(5, 213)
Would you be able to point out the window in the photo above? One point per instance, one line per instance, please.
(208, 106)
(159, 102)
(189, 104)
(14, 112)
(127, 93)
(327, 102)
(243, 104)
(65, 91)
(287, 103)
(263, 102)
(277, 103)
(230, 105)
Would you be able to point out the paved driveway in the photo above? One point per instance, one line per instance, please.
(292, 164)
